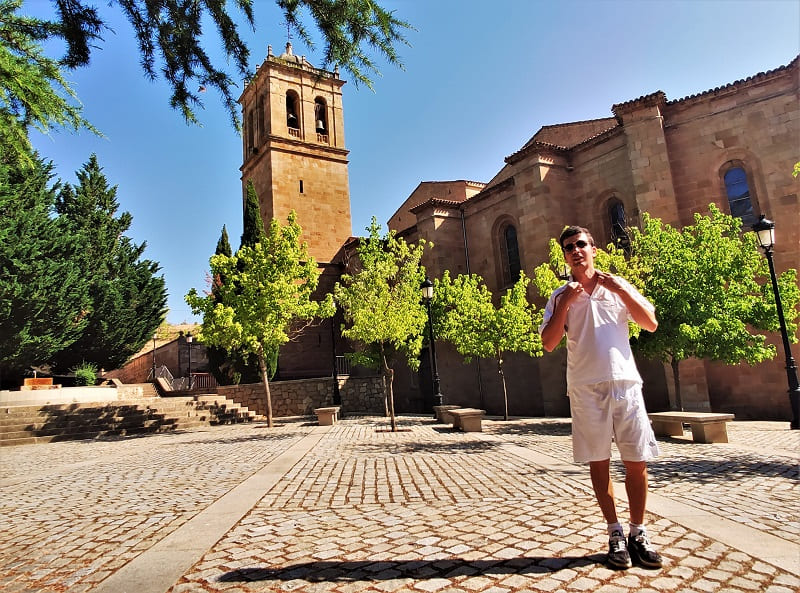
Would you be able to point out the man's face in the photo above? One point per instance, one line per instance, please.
(578, 251)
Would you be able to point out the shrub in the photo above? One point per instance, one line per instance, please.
(85, 374)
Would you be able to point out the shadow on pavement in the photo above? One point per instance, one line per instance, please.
(332, 571)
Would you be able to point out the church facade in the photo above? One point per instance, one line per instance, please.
(734, 146)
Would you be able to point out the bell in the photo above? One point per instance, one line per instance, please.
(320, 126)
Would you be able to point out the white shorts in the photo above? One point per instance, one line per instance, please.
(610, 409)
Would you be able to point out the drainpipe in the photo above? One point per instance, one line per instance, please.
(466, 260)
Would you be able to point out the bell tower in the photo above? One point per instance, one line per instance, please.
(293, 149)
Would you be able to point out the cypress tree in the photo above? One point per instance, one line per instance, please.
(253, 228)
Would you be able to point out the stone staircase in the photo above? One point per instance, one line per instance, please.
(24, 425)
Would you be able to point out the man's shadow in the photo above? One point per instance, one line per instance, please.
(369, 570)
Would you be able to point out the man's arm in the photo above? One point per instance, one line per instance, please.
(643, 316)
(556, 325)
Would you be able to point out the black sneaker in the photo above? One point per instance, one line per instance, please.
(642, 551)
(618, 556)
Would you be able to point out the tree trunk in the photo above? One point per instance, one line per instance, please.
(676, 378)
(262, 364)
(503, 381)
(388, 375)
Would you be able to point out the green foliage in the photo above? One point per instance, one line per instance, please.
(253, 227)
(44, 292)
(796, 170)
(85, 374)
(466, 316)
(266, 298)
(224, 245)
(709, 285)
(381, 305)
(33, 91)
(172, 36)
(348, 27)
(128, 299)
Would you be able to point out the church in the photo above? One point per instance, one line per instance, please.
(735, 146)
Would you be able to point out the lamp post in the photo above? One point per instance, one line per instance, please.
(189, 339)
(427, 296)
(765, 232)
(154, 358)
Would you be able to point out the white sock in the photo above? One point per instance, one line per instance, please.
(636, 529)
(612, 527)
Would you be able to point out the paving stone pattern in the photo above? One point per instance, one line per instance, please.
(425, 510)
(752, 480)
(74, 512)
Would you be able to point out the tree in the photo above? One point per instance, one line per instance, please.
(466, 316)
(44, 293)
(711, 289)
(33, 91)
(381, 306)
(223, 244)
(128, 299)
(266, 299)
(253, 225)
(172, 39)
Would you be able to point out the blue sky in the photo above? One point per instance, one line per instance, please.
(479, 79)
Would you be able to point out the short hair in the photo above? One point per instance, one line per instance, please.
(573, 230)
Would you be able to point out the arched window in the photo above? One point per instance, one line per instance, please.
(321, 119)
(293, 113)
(738, 191)
(619, 226)
(509, 251)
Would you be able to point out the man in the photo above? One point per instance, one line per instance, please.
(604, 387)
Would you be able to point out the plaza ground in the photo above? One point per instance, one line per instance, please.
(355, 507)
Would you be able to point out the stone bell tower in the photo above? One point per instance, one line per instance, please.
(293, 141)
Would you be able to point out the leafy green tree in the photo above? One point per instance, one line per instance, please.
(44, 293)
(711, 289)
(231, 367)
(128, 299)
(172, 36)
(33, 91)
(466, 316)
(381, 306)
(266, 298)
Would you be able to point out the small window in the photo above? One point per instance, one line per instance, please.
(509, 249)
(301, 186)
(738, 191)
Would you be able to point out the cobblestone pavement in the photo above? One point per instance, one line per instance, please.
(425, 509)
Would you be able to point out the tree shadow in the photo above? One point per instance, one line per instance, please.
(367, 570)
(422, 446)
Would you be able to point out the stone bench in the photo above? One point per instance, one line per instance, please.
(327, 416)
(35, 383)
(467, 419)
(441, 413)
(707, 427)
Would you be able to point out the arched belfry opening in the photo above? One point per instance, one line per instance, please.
(321, 119)
(293, 113)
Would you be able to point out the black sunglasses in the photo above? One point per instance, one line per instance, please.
(569, 247)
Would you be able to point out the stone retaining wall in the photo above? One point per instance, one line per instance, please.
(300, 397)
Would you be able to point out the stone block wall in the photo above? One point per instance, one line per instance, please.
(299, 398)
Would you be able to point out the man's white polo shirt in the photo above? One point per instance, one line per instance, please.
(597, 335)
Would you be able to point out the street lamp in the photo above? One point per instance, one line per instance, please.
(427, 295)
(189, 339)
(765, 232)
